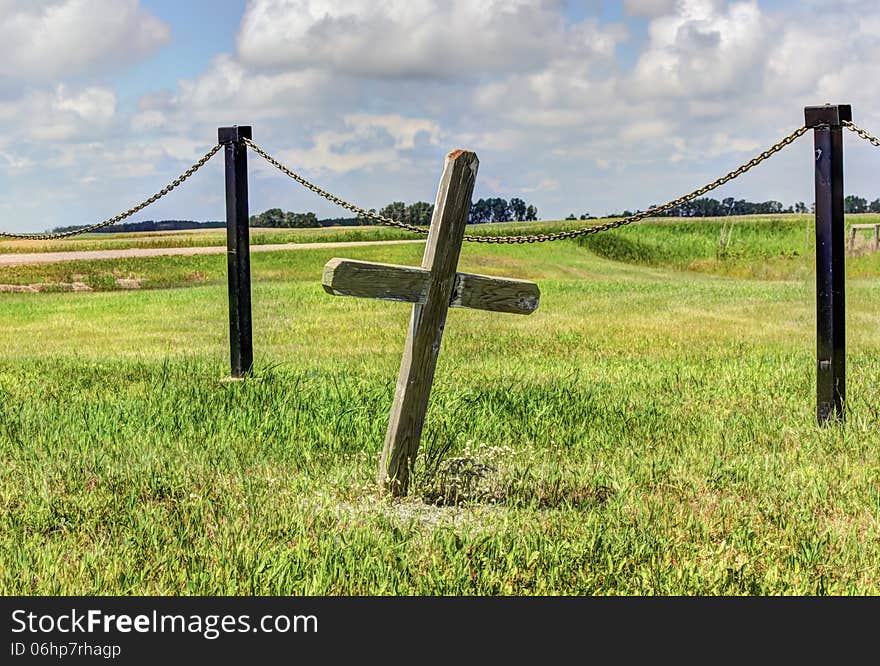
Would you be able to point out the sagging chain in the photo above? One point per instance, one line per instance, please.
(118, 218)
(867, 136)
(539, 238)
(363, 212)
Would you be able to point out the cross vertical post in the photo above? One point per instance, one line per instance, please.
(427, 321)
(827, 122)
(432, 289)
(238, 259)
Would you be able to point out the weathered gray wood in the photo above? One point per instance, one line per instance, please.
(426, 325)
(481, 292)
(389, 282)
(852, 235)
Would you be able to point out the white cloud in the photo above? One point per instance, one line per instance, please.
(46, 39)
(704, 49)
(94, 105)
(149, 120)
(722, 143)
(402, 130)
(60, 114)
(642, 130)
(411, 38)
(648, 7)
(229, 92)
(15, 162)
(545, 185)
(370, 142)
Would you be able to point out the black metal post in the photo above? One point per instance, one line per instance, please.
(826, 122)
(238, 248)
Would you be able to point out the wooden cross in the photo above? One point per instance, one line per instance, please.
(432, 289)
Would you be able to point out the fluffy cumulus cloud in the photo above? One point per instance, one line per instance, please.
(58, 111)
(411, 38)
(704, 49)
(344, 87)
(63, 114)
(369, 142)
(46, 39)
(54, 53)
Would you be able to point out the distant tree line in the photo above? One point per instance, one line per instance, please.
(482, 211)
(500, 210)
(493, 209)
(279, 219)
(854, 204)
(148, 225)
(419, 213)
(709, 207)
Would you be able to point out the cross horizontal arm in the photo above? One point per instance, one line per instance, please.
(407, 284)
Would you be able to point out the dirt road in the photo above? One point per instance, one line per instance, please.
(21, 259)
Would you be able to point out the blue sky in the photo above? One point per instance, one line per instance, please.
(575, 106)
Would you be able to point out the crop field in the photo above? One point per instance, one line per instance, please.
(649, 430)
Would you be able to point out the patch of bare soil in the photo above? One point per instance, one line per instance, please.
(54, 287)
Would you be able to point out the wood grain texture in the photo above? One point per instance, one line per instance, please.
(427, 322)
(482, 292)
(390, 282)
(387, 282)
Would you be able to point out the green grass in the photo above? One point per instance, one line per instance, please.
(758, 247)
(762, 246)
(648, 431)
(201, 238)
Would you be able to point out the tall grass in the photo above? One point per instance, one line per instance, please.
(647, 431)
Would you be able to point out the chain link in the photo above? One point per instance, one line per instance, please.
(851, 126)
(539, 238)
(118, 218)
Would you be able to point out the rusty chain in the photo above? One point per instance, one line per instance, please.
(538, 238)
(870, 138)
(118, 218)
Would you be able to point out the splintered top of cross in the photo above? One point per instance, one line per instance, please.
(468, 154)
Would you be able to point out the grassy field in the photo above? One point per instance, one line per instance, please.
(198, 238)
(650, 430)
(258, 236)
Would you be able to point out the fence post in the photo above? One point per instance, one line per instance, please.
(238, 259)
(826, 122)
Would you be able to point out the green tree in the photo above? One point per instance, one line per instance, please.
(854, 204)
(304, 220)
(395, 210)
(274, 217)
(481, 212)
(364, 220)
(518, 209)
(500, 209)
(531, 214)
(419, 213)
